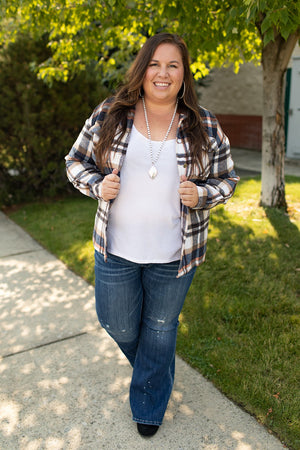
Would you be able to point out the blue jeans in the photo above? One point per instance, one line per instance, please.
(139, 305)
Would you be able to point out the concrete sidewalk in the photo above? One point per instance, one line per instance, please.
(64, 383)
(249, 162)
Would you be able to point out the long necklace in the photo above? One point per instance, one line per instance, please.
(153, 170)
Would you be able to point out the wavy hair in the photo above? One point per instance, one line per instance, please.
(129, 94)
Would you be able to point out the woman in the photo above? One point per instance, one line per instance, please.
(157, 163)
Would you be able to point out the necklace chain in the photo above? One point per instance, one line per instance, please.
(153, 169)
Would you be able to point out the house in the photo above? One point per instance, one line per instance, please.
(237, 101)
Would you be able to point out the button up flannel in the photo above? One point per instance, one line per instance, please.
(215, 183)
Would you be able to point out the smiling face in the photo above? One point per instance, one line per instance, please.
(164, 75)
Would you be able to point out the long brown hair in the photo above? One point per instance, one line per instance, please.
(129, 94)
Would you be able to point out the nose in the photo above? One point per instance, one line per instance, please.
(163, 71)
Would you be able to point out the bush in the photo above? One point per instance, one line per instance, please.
(38, 123)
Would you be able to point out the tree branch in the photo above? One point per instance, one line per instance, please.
(287, 49)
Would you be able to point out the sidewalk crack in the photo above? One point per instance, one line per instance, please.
(8, 355)
(25, 252)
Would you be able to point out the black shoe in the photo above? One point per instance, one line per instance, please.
(147, 430)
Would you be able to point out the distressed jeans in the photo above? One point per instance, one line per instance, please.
(139, 305)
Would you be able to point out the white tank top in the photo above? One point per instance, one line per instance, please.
(144, 219)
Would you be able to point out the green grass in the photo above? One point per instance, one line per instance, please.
(240, 322)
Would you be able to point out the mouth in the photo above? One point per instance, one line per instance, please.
(161, 84)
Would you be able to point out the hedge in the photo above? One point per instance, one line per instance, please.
(38, 123)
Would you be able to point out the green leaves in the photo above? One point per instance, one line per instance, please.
(272, 16)
(108, 33)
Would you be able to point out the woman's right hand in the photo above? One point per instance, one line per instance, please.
(110, 186)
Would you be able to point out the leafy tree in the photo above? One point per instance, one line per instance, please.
(38, 124)
(218, 32)
(243, 30)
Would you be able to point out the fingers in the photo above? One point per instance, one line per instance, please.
(183, 178)
(188, 192)
(113, 176)
(110, 186)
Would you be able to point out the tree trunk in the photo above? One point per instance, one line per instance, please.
(275, 59)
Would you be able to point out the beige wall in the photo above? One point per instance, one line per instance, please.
(233, 98)
(230, 93)
(241, 93)
(296, 54)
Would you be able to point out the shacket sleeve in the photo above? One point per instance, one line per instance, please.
(222, 180)
(81, 167)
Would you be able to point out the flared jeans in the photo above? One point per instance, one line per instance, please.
(139, 305)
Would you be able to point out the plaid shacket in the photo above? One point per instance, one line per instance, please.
(215, 184)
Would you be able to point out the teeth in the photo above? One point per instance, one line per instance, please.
(162, 84)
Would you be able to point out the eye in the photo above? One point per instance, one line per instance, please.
(173, 66)
(152, 64)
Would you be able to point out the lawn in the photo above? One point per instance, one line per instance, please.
(240, 322)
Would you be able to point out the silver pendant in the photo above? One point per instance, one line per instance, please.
(152, 172)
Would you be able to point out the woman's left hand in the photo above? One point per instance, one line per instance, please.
(188, 192)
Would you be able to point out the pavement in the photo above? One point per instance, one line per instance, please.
(64, 383)
(248, 162)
